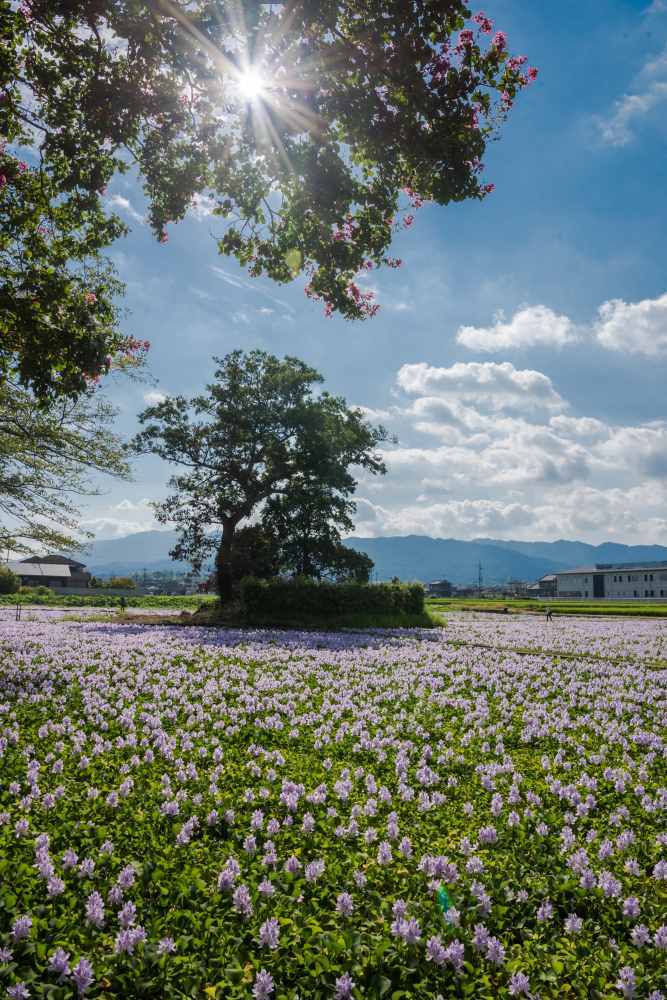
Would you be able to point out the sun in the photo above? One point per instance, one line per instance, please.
(252, 84)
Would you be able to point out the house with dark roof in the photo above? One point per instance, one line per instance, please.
(58, 572)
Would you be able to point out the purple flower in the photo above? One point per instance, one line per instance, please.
(292, 865)
(660, 938)
(405, 847)
(480, 937)
(264, 986)
(545, 912)
(640, 935)
(495, 952)
(127, 915)
(21, 928)
(128, 938)
(454, 954)
(631, 907)
(384, 856)
(55, 886)
(314, 870)
(344, 904)
(6, 955)
(166, 946)
(487, 835)
(59, 963)
(18, 992)
(269, 933)
(435, 951)
(519, 984)
(126, 877)
(573, 924)
(344, 986)
(242, 902)
(95, 910)
(266, 887)
(82, 974)
(627, 981)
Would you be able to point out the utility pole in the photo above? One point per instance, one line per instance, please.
(479, 578)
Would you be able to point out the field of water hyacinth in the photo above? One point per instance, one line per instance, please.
(473, 811)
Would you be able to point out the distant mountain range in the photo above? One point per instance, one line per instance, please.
(410, 557)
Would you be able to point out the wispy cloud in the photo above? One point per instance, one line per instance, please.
(249, 286)
(617, 128)
(125, 205)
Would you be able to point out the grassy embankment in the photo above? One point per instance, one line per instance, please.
(630, 609)
(102, 600)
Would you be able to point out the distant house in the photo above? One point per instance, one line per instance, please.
(544, 587)
(58, 572)
(440, 588)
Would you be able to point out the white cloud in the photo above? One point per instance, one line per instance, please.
(453, 519)
(633, 515)
(153, 397)
(125, 205)
(649, 91)
(241, 317)
(657, 7)
(529, 326)
(202, 206)
(635, 327)
(616, 130)
(498, 385)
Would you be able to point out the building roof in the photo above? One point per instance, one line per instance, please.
(51, 560)
(40, 570)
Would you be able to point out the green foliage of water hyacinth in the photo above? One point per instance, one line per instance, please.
(306, 598)
(235, 814)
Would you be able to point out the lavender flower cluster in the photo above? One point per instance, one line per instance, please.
(279, 813)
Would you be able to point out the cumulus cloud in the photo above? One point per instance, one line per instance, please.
(455, 518)
(528, 327)
(636, 327)
(498, 385)
(635, 515)
(153, 397)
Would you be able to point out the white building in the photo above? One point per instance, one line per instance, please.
(623, 580)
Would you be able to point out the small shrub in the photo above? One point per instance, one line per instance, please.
(9, 581)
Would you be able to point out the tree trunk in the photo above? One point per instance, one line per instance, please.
(223, 566)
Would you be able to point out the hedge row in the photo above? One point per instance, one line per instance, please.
(303, 598)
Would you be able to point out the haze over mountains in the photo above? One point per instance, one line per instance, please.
(410, 557)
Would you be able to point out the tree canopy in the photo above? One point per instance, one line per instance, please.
(259, 429)
(312, 131)
(47, 454)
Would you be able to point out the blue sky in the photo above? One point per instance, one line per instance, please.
(519, 354)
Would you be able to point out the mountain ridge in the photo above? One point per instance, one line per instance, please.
(411, 557)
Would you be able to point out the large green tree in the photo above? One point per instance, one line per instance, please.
(47, 456)
(259, 429)
(307, 520)
(312, 130)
